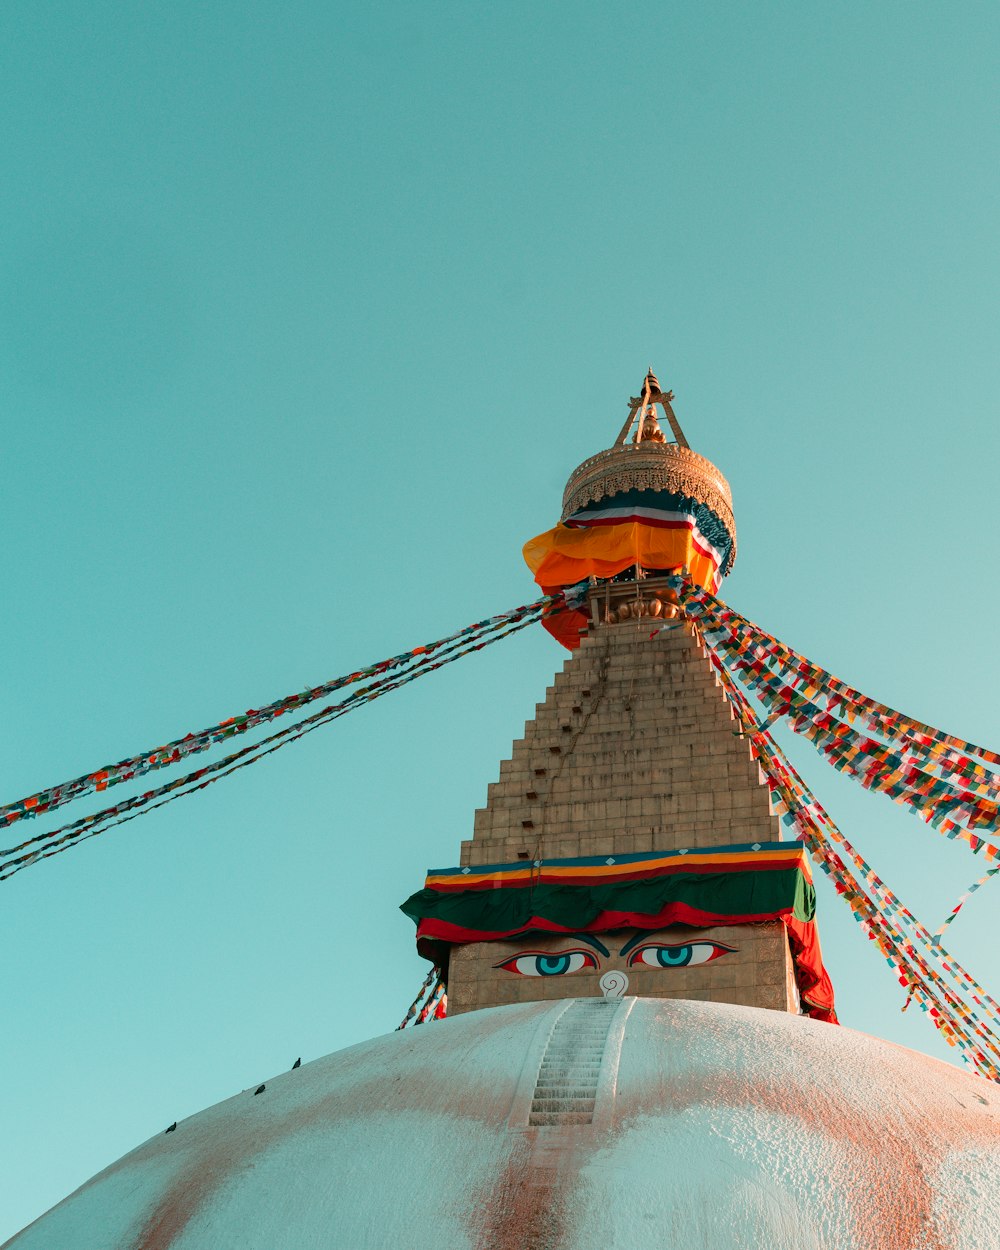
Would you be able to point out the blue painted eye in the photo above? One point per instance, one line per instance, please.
(549, 964)
(656, 955)
(553, 965)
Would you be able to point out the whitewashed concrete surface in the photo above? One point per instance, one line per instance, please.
(716, 1128)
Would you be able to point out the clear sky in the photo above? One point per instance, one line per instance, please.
(306, 313)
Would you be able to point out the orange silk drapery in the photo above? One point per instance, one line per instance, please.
(565, 555)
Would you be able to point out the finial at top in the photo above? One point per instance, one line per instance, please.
(643, 406)
(648, 430)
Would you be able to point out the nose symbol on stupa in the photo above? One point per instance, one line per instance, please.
(613, 984)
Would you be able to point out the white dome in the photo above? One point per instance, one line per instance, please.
(663, 1124)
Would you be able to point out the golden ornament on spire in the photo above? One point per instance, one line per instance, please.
(644, 504)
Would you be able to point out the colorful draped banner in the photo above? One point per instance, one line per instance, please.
(655, 529)
(740, 884)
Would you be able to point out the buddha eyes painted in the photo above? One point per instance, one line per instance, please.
(659, 955)
(548, 963)
(649, 954)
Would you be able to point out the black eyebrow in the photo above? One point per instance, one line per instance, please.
(592, 941)
(639, 937)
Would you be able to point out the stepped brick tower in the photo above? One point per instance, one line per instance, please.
(633, 771)
(634, 750)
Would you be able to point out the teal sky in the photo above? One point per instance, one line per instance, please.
(306, 313)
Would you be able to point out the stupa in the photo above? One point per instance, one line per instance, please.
(641, 1048)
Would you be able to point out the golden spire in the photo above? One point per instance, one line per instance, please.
(648, 428)
(644, 405)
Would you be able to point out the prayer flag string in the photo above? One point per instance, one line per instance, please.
(958, 1006)
(899, 774)
(431, 1002)
(429, 980)
(173, 752)
(964, 898)
(963, 760)
(903, 942)
(44, 846)
(954, 793)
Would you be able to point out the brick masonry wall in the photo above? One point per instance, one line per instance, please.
(757, 973)
(634, 749)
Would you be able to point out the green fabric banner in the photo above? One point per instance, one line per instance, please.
(729, 896)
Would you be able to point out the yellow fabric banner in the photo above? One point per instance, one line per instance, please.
(563, 556)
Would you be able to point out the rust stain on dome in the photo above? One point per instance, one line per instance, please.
(859, 1143)
(521, 1210)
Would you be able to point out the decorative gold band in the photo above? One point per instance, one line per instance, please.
(650, 466)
